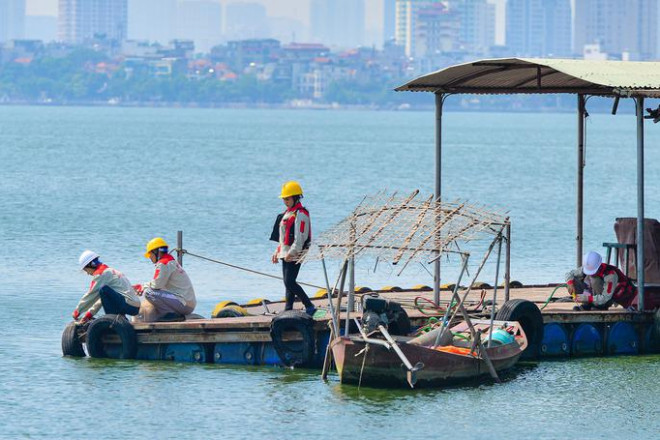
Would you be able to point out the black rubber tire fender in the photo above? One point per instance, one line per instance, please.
(117, 324)
(298, 321)
(529, 316)
(71, 345)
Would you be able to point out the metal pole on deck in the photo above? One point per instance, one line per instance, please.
(507, 273)
(580, 179)
(439, 99)
(179, 247)
(350, 307)
(639, 101)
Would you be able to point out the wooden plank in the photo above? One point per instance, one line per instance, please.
(203, 338)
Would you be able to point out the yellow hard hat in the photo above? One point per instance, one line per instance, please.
(290, 189)
(155, 243)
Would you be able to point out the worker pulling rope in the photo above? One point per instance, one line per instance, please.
(201, 257)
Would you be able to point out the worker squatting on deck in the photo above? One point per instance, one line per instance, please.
(170, 294)
(597, 285)
(293, 232)
(109, 289)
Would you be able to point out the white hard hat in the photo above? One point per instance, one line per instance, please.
(86, 257)
(592, 261)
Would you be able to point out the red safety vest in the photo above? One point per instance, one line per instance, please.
(290, 230)
(164, 260)
(624, 291)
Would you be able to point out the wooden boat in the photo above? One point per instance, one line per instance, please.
(375, 362)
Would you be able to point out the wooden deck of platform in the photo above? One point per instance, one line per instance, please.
(255, 327)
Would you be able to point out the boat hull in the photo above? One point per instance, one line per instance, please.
(378, 366)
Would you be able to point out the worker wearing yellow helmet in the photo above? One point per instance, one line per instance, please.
(170, 294)
(293, 232)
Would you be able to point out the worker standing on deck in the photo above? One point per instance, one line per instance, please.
(293, 231)
(109, 289)
(170, 294)
(597, 285)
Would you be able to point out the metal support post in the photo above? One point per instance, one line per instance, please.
(497, 273)
(580, 179)
(179, 247)
(439, 100)
(640, 200)
(507, 267)
(350, 307)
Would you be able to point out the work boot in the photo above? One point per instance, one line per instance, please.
(310, 311)
(171, 317)
(582, 308)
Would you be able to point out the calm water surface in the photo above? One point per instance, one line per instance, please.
(109, 179)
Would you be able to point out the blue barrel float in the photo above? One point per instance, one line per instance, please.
(622, 339)
(236, 353)
(185, 353)
(555, 341)
(586, 341)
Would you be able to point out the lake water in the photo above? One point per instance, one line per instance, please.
(110, 179)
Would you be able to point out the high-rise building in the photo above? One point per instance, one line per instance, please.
(538, 27)
(338, 22)
(621, 29)
(82, 20)
(477, 25)
(152, 20)
(437, 31)
(245, 21)
(389, 20)
(406, 23)
(12, 19)
(201, 22)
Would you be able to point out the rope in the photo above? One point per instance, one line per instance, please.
(242, 268)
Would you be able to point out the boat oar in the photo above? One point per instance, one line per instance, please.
(411, 373)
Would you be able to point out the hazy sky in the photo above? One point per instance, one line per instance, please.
(298, 9)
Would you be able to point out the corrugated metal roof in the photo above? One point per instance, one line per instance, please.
(543, 75)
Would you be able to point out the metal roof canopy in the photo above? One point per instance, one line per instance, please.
(615, 79)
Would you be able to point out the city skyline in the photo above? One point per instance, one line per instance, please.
(298, 9)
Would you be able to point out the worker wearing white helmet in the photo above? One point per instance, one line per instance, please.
(597, 285)
(109, 289)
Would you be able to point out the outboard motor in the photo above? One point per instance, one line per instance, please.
(379, 311)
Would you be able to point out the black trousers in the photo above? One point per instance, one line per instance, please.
(115, 304)
(290, 273)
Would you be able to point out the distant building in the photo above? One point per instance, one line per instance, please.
(437, 30)
(41, 27)
(80, 21)
(338, 23)
(246, 21)
(152, 20)
(406, 23)
(241, 53)
(538, 27)
(621, 29)
(200, 21)
(389, 20)
(477, 25)
(12, 19)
